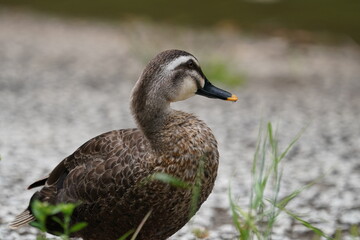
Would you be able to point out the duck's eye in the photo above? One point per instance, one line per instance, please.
(190, 64)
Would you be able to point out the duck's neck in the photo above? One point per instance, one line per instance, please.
(151, 114)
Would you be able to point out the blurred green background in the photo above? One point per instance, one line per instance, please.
(296, 19)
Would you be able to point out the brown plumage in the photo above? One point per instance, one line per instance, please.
(110, 175)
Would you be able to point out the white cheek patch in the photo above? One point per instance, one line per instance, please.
(202, 82)
(188, 89)
(178, 61)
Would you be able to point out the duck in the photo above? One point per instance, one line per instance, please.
(111, 176)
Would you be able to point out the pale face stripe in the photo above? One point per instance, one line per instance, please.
(178, 61)
(187, 89)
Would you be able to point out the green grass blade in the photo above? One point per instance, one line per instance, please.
(354, 231)
(78, 226)
(307, 224)
(167, 178)
(234, 213)
(128, 233)
(297, 137)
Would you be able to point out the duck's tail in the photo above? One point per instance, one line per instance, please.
(20, 220)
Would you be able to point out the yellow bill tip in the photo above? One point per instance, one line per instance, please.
(233, 98)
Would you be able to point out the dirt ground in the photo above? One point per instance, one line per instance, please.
(63, 82)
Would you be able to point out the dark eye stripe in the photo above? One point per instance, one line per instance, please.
(186, 65)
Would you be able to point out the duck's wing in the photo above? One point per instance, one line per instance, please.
(38, 183)
(104, 164)
(104, 167)
(58, 173)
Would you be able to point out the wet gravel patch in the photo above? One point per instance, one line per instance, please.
(64, 82)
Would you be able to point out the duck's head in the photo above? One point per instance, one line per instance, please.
(175, 75)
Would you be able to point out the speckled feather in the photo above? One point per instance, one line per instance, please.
(110, 174)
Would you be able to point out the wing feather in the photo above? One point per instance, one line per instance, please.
(99, 169)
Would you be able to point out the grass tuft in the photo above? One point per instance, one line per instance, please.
(43, 211)
(258, 221)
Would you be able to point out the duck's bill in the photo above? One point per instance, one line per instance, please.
(211, 91)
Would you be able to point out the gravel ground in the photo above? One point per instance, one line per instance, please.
(63, 82)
